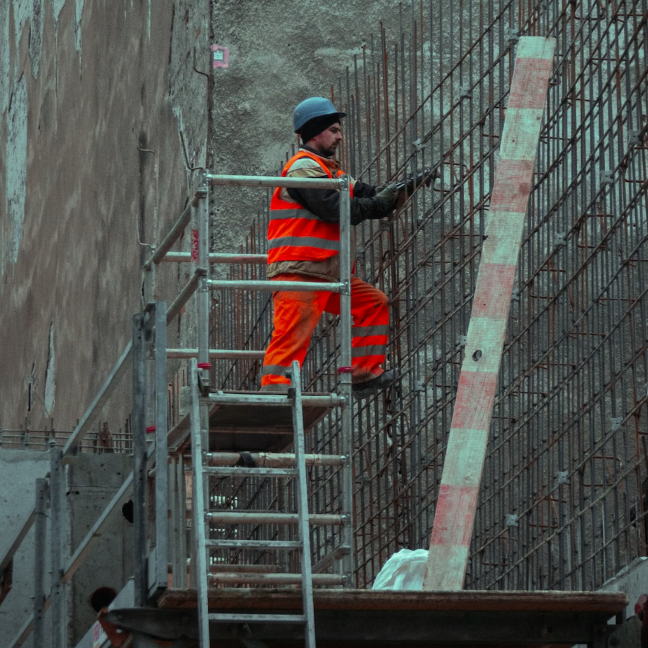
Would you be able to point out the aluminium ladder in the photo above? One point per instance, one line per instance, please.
(203, 517)
(209, 465)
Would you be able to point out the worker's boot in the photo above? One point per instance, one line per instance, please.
(366, 389)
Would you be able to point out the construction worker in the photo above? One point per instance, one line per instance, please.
(303, 245)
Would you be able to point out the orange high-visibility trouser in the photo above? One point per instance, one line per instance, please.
(296, 315)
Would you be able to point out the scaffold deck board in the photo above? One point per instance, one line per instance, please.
(345, 618)
(239, 426)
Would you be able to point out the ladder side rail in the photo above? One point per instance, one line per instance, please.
(40, 533)
(58, 548)
(346, 449)
(180, 525)
(302, 505)
(199, 558)
(160, 574)
(139, 459)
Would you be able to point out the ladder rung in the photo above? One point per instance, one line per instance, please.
(273, 459)
(254, 517)
(267, 284)
(254, 544)
(240, 471)
(274, 579)
(258, 618)
(262, 398)
(220, 568)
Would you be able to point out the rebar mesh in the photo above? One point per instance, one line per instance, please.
(563, 499)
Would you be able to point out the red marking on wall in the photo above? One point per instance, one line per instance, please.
(493, 291)
(220, 56)
(512, 185)
(527, 92)
(195, 240)
(453, 522)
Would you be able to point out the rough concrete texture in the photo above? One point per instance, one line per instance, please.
(90, 162)
(93, 480)
(280, 54)
(96, 100)
(19, 469)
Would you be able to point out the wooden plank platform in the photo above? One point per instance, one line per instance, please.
(258, 428)
(387, 619)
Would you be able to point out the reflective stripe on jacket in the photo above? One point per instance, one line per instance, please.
(295, 233)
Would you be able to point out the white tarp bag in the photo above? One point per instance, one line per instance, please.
(403, 571)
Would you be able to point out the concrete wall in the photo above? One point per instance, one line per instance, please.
(93, 97)
(96, 97)
(19, 469)
(92, 481)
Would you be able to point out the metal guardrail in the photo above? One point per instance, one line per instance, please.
(163, 254)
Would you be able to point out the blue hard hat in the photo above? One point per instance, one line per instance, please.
(311, 108)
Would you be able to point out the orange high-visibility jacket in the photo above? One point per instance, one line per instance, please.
(295, 233)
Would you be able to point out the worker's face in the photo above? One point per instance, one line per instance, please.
(328, 140)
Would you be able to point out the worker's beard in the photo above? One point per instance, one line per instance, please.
(329, 151)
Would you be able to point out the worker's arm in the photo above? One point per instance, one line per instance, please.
(325, 203)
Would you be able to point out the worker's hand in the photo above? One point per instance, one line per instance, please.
(387, 198)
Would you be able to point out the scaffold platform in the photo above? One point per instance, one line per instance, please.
(385, 619)
(235, 426)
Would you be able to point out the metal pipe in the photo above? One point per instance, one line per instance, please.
(217, 257)
(218, 354)
(259, 398)
(256, 517)
(185, 294)
(297, 286)
(99, 401)
(174, 234)
(271, 181)
(322, 580)
(94, 533)
(272, 459)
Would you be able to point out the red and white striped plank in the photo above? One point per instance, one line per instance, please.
(464, 460)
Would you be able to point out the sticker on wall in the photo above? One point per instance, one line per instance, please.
(220, 56)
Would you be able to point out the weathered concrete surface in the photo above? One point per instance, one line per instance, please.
(90, 161)
(19, 469)
(280, 54)
(94, 479)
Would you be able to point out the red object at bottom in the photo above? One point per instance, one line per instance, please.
(296, 315)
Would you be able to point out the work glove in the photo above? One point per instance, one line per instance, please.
(412, 182)
(387, 198)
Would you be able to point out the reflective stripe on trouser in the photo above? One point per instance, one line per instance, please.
(296, 315)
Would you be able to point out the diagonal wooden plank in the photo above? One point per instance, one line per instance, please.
(464, 461)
